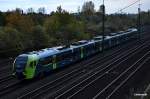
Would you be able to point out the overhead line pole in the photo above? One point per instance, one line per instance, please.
(103, 26)
(139, 21)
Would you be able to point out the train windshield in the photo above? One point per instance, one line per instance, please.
(21, 63)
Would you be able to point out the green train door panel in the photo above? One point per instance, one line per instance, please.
(31, 66)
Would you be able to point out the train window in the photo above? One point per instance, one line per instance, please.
(31, 64)
(46, 61)
(34, 63)
(68, 55)
(64, 56)
(59, 58)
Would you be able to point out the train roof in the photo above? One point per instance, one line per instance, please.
(132, 29)
(59, 49)
(47, 51)
(81, 43)
(113, 34)
(43, 53)
(100, 37)
(120, 33)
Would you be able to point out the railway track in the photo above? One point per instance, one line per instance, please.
(5, 67)
(72, 72)
(112, 83)
(54, 84)
(45, 88)
(5, 73)
(69, 78)
(7, 84)
(99, 78)
(117, 83)
(103, 78)
(6, 78)
(5, 60)
(10, 87)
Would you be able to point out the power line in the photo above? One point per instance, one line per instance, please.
(128, 6)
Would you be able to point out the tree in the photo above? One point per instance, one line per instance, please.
(59, 9)
(88, 8)
(19, 11)
(30, 10)
(41, 10)
(22, 23)
(52, 25)
(64, 27)
(2, 19)
(40, 38)
(11, 39)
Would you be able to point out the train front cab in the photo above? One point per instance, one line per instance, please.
(25, 66)
(19, 66)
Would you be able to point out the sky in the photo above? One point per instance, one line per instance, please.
(112, 6)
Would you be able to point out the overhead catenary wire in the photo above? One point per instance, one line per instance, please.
(126, 7)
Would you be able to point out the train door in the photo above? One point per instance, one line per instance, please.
(110, 43)
(106, 44)
(76, 54)
(88, 50)
(54, 62)
(31, 66)
(100, 46)
(92, 48)
(117, 38)
(82, 52)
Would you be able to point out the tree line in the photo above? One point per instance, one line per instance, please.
(21, 32)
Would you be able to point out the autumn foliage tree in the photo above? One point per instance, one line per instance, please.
(22, 32)
(64, 27)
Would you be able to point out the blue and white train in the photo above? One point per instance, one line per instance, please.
(33, 64)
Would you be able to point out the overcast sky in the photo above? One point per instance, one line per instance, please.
(71, 5)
